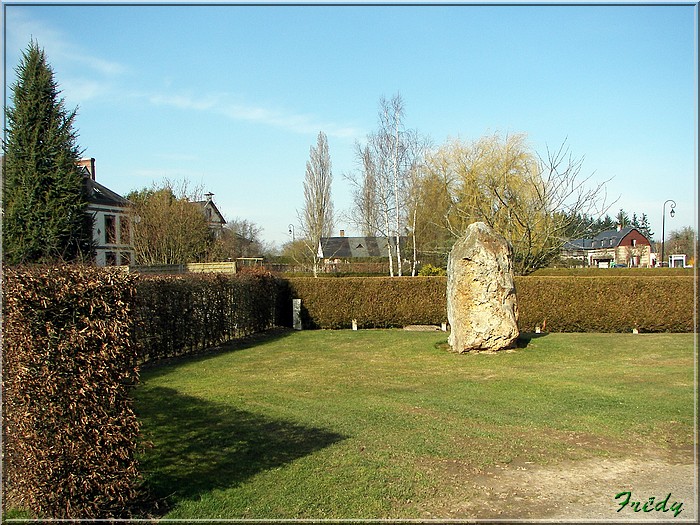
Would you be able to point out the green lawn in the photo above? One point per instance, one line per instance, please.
(343, 424)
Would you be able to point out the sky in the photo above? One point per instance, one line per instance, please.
(231, 97)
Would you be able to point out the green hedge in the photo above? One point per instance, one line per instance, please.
(69, 362)
(606, 304)
(375, 302)
(611, 303)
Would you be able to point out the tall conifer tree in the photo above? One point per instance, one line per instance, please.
(44, 194)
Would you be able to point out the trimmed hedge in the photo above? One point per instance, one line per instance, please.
(612, 303)
(69, 362)
(179, 315)
(606, 304)
(375, 302)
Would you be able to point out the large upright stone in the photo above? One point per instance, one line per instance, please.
(481, 304)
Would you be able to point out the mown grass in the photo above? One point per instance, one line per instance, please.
(343, 424)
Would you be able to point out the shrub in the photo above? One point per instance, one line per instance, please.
(612, 303)
(375, 302)
(178, 315)
(428, 270)
(69, 362)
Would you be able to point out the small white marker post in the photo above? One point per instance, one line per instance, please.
(354, 324)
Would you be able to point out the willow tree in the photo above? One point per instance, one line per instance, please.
(532, 200)
(44, 194)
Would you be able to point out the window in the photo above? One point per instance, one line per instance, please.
(124, 236)
(110, 229)
(125, 258)
(634, 243)
(110, 259)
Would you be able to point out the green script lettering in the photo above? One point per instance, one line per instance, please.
(624, 503)
(651, 503)
(661, 505)
(676, 508)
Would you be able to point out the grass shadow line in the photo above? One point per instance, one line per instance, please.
(199, 446)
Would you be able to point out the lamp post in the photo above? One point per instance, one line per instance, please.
(663, 227)
(291, 231)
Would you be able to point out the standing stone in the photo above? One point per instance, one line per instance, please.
(481, 305)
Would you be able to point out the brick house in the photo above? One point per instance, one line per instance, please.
(622, 246)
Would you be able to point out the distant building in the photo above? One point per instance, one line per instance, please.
(622, 246)
(335, 249)
(212, 214)
(111, 220)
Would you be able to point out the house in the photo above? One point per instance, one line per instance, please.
(212, 214)
(622, 246)
(335, 249)
(111, 220)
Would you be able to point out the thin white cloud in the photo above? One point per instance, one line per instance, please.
(221, 105)
(81, 75)
(57, 44)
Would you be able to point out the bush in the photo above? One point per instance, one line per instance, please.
(179, 315)
(69, 362)
(375, 302)
(606, 304)
(612, 303)
(428, 270)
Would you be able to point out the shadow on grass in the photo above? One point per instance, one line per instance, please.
(199, 446)
(161, 366)
(525, 337)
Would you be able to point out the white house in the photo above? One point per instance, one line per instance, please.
(111, 228)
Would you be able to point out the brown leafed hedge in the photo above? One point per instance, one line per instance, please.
(614, 303)
(69, 362)
(178, 315)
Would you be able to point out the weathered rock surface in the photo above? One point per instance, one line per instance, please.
(481, 305)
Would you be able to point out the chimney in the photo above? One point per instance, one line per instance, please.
(209, 196)
(342, 233)
(88, 164)
(619, 227)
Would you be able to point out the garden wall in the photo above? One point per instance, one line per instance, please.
(614, 303)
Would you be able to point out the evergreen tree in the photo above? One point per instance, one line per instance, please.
(44, 194)
(642, 224)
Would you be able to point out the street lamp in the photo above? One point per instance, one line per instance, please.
(663, 227)
(291, 231)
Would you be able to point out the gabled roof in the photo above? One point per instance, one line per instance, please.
(99, 194)
(578, 244)
(215, 216)
(357, 247)
(606, 239)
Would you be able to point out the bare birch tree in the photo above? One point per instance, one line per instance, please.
(387, 159)
(317, 216)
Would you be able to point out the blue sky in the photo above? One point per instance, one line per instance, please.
(232, 97)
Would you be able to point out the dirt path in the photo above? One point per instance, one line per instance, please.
(578, 490)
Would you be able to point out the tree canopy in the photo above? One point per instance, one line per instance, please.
(44, 194)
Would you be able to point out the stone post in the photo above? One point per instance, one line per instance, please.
(296, 313)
